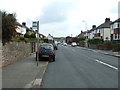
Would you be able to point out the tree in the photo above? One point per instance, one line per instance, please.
(8, 26)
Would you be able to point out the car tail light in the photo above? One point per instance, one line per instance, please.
(51, 52)
(39, 51)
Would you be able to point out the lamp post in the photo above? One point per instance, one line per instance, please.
(86, 32)
(85, 24)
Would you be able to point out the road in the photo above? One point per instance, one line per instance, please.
(76, 67)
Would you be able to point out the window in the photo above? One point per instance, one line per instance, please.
(118, 25)
(115, 36)
(119, 36)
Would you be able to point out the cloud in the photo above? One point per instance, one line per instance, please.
(55, 12)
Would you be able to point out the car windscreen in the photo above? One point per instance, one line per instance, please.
(46, 47)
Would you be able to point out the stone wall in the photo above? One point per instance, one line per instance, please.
(14, 51)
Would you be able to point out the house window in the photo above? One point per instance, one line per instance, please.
(119, 36)
(115, 36)
(118, 25)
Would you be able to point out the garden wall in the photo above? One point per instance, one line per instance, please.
(14, 51)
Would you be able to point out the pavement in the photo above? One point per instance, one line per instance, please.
(106, 52)
(24, 73)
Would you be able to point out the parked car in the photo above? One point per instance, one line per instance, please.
(45, 51)
(65, 44)
(74, 44)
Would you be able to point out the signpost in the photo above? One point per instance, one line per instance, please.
(35, 26)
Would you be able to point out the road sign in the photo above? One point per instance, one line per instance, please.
(35, 25)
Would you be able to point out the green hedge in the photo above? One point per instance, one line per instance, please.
(95, 41)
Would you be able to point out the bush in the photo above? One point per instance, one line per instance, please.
(82, 43)
(107, 45)
(115, 46)
(27, 35)
(95, 41)
(33, 35)
(18, 38)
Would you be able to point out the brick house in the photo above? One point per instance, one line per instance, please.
(103, 31)
(115, 30)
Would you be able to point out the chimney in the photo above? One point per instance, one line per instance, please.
(107, 19)
(30, 27)
(24, 24)
(81, 31)
(93, 26)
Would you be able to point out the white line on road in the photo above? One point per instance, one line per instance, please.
(106, 64)
(37, 82)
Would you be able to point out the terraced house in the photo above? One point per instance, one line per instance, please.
(115, 30)
(103, 31)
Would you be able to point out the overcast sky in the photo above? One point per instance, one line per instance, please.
(62, 17)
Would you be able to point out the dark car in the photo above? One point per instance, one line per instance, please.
(45, 51)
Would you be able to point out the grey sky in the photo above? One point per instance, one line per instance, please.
(55, 12)
(62, 17)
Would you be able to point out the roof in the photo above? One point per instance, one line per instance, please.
(93, 29)
(118, 20)
(104, 25)
(17, 23)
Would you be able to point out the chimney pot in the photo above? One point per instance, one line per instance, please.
(94, 26)
(24, 24)
(107, 19)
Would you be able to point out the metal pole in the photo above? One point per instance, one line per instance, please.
(37, 48)
(37, 39)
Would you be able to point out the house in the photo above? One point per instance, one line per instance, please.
(115, 30)
(86, 34)
(91, 32)
(69, 39)
(49, 37)
(103, 31)
(20, 29)
(81, 35)
(30, 30)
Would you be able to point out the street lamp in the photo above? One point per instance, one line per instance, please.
(86, 32)
(85, 24)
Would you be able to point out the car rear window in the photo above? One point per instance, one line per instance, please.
(46, 46)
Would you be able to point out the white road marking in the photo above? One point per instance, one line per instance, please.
(29, 85)
(106, 64)
(37, 82)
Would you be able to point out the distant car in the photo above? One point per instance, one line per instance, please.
(45, 51)
(74, 44)
(65, 44)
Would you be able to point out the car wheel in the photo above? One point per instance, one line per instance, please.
(51, 59)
